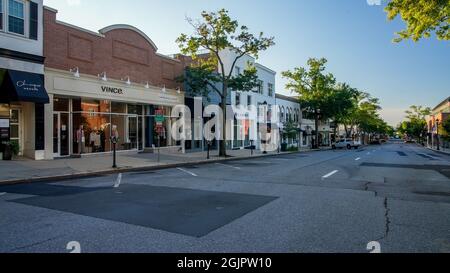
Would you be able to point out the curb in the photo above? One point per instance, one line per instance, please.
(439, 152)
(135, 169)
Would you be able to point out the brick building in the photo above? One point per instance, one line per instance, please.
(439, 114)
(107, 83)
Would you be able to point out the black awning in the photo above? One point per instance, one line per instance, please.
(20, 86)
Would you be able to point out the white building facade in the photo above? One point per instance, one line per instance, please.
(22, 91)
(263, 97)
(290, 114)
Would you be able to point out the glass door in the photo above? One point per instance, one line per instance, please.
(56, 134)
(15, 128)
(60, 134)
(133, 132)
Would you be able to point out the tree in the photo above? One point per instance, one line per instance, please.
(418, 112)
(216, 32)
(422, 17)
(290, 129)
(445, 129)
(415, 123)
(314, 88)
(362, 113)
(340, 103)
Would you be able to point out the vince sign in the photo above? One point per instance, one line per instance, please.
(112, 90)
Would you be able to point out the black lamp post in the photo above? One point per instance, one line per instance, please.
(437, 134)
(114, 143)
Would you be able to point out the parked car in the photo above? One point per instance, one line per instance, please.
(346, 143)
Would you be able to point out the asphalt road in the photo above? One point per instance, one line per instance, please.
(329, 201)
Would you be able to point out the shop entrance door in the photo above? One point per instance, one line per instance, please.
(133, 133)
(60, 134)
(15, 126)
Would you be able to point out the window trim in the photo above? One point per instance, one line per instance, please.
(24, 19)
(260, 87)
(2, 21)
(30, 3)
(270, 89)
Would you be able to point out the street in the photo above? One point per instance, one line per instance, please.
(329, 201)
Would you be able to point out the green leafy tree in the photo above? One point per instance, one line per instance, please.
(290, 129)
(415, 124)
(362, 114)
(445, 129)
(422, 17)
(215, 32)
(314, 88)
(340, 103)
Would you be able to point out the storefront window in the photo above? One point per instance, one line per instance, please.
(4, 110)
(95, 106)
(91, 132)
(161, 137)
(118, 107)
(60, 104)
(120, 122)
(134, 109)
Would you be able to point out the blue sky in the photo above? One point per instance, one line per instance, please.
(354, 36)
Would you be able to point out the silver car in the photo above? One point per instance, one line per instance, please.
(346, 143)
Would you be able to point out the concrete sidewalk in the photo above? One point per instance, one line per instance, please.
(441, 150)
(24, 170)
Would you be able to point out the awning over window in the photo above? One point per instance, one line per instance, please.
(20, 86)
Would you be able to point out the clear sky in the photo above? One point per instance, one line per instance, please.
(354, 36)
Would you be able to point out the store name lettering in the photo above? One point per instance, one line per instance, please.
(28, 86)
(112, 90)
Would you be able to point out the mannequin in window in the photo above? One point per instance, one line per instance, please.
(80, 139)
(94, 140)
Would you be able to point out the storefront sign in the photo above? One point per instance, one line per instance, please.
(28, 86)
(4, 133)
(4, 123)
(112, 90)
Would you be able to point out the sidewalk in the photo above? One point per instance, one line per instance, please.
(24, 170)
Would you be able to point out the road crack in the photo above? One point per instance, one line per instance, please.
(387, 220)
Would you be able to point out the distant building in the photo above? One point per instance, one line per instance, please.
(439, 114)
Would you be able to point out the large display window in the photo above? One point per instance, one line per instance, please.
(92, 121)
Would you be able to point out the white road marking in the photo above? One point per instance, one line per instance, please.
(330, 174)
(229, 166)
(186, 171)
(281, 159)
(118, 181)
(358, 159)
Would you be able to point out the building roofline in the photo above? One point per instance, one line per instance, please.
(447, 100)
(287, 98)
(129, 27)
(265, 68)
(101, 32)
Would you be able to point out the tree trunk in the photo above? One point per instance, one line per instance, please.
(223, 105)
(335, 131)
(316, 120)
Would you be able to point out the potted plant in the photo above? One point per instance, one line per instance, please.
(11, 149)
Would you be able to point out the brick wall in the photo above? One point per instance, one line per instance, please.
(120, 53)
